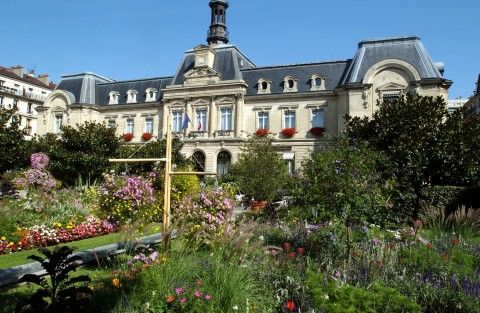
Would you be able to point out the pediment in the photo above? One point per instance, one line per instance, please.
(391, 86)
(58, 109)
(225, 100)
(201, 73)
(200, 102)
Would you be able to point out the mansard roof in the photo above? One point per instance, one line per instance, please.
(82, 86)
(333, 71)
(229, 62)
(409, 49)
(122, 87)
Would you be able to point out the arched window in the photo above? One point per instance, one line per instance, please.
(289, 84)
(199, 161)
(263, 86)
(224, 159)
(317, 82)
(113, 97)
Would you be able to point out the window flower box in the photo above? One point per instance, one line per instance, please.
(317, 131)
(147, 136)
(261, 132)
(128, 137)
(288, 132)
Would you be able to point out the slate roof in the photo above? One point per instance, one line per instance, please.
(409, 49)
(229, 62)
(333, 71)
(26, 78)
(141, 86)
(82, 86)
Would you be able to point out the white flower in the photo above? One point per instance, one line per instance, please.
(326, 297)
(235, 307)
(261, 238)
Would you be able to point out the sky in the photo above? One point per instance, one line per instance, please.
(136, 39)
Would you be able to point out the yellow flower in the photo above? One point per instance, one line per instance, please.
(4, 238)
(116, 283)
(11, 243)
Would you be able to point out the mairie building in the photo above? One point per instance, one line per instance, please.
(218, 97)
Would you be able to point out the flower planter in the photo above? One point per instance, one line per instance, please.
(127, 137)
(257, 205)
(147, 136)
(317, 131)
(288, 132)
(261, 132)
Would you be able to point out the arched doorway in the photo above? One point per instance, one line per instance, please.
(199, 161)
(224, 159)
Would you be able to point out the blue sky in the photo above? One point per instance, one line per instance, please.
(146, 38)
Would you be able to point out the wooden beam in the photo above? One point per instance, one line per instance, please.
(193, 173)
(136, 160)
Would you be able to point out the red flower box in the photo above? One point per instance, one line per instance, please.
(288, 132)
(128, 137)
(262, 132)
(317, 131)
(147, 136)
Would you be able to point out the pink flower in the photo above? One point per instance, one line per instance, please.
(197, 293)
(208, 297)
(183, 300)
(179, 290)
(199, 282)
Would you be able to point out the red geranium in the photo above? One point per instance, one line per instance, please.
(261, 132)
(290, 305)
(286, 246)
(317, 131)
(300, 250)
(128, 136)
(288, 132)
(147, 136)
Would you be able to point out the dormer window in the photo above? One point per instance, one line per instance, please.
(151, 94)
(317, 82)
(113, 97)
(264, 86)
(289, 84)
(132, 96)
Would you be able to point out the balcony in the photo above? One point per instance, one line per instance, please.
(25, 94)
(198, 134)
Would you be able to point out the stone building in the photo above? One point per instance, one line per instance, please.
(25, 92)
(473, 103)
(222, 97)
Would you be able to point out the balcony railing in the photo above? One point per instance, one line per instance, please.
(224, 133)
(26, 94)
(198, 134)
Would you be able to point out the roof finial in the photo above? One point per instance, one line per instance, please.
(218, 33)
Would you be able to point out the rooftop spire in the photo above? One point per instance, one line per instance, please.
(218, 33)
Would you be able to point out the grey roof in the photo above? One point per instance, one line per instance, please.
(478, 85)
(122, 87)
(409, 49)
(333, 71)
(229, 62)
(82, 86)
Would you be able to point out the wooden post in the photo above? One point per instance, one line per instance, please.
(167, 185)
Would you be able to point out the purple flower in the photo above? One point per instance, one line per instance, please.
(207, 297)
(179, 291)
(197, 293)
(183, 300)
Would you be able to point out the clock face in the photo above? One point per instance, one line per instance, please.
(201, 60)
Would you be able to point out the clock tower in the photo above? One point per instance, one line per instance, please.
(218, 33)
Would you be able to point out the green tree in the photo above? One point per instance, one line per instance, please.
(13, 146)
(260, 171)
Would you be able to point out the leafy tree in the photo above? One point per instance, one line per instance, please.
(13, 146)
(260, 171)
(80, 152)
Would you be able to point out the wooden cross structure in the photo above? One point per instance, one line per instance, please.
(167, 187)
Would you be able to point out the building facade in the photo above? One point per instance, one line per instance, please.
(219, 97)
(25, 92)
(473, 104)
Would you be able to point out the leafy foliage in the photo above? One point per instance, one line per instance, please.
(58, 293)
(13, 146)
(260, 171)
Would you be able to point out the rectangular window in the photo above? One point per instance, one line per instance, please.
(177, 121)
(1, 102)
(149, 125)
(390, 96)
(111, 123)
(201, 120)
(129, 126)
(263, 122)
(226, 119)
(29, 108)
(1, 83)
(317, 118)
(15, 103)
(58, 123)
(290, 119)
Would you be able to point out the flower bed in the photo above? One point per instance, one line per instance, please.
(43, 236)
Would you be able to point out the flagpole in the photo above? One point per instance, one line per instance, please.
(167, 185)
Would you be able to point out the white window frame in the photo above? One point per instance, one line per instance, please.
(113, 97)
(129, 125)
(226, 118)
(177, 121)
(313, 82)
(132, 96)
(149, 123)
(263, 120)
(201, 119)
(286, 88)
(318, 118)
(153, 97)
(260, 89)
(288, 123)
(58, 123)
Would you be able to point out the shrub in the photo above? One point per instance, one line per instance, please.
(450, 197)
(13, 146)
(184, 185)
(317, 131)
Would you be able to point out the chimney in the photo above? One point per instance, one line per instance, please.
(44, 79)
(31, 73)
(440, 67)
(18, 70)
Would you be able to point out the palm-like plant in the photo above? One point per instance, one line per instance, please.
(58, 292)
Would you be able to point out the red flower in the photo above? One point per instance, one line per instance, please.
(261, 132)
(290, 305)
(147, 136)
(317, 131)
(291, 255)
(288, 132)
(286, 246)
(300, 250)
(128, 136)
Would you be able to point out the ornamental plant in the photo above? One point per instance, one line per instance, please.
(205, 218)
(288, 132)
(146, 136)
(261, 132)
(317, 131)
(127, 199)
(128, 137)
(37, 176)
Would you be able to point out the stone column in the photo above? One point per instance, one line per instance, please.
(239, 115)
(212, 120)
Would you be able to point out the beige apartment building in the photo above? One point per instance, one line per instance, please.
(219, 97)
(25, 92)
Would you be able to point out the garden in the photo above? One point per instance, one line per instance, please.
(385, 218)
